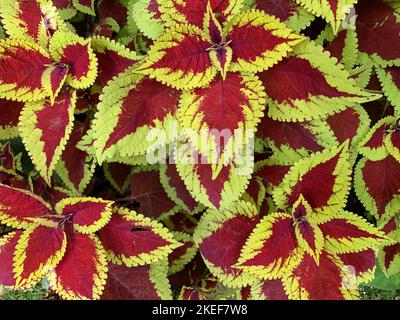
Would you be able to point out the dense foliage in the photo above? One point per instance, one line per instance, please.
(193, 149)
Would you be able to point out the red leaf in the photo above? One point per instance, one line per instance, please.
(130, 284)
(378, 29)
(295, 135)
(10, 111)
(146, 189)
(382, 182)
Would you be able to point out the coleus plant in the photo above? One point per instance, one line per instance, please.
(199, 149)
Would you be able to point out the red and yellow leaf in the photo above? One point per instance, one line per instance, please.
(323, 179)
(131, 108)
(378, 27)
(113, 58)
(310, 85)
(225, 114)
(377, 185)
(10, 111)
(39, 250)
(333, 11)
(23, 65)
(134, 240)
(82, 273)
(147, 282)
(323, 281)
(33, 20)
(258, 41)
(76, 167)
(271, 251)
(88, 215)
(193, 11)
(45, 130)
(180, 58)
(7, 249)
(18, 207)
(76, 52)
(220, 236)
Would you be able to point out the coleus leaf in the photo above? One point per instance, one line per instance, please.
(18, 207)
(287, 11)
(76, 167)
(70, 49)
(65, 9)
(271, 250)
(45, 130)
(293, 140)
(346, 232)
(361, 264)
(230, 107)
(23, 65)
(131, 106)
(187, 57)
(271, 172)
(390, 81)
(333, 11)
(147, 282)
(193, 11)
(134, 240)
(377, 28)
(119, 175)
(147, 16)
(82, 273)
(176, 189)
(38, 251)
(343, 46)
(181, 256)
(377, 142)
(389, 256)
(377, 185)
(7, 249)
(88, 215)
(350, 124)
(323, 179)
(258, 41)
(85, 6)
(147, 190)
(10, 111)
(283, 244)
(319, 86)
(9, 163)
(213, 188)
(180, 58)
(268, 290)
(220, 236)
(323, 281)
(113, 58)
(33, 20)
